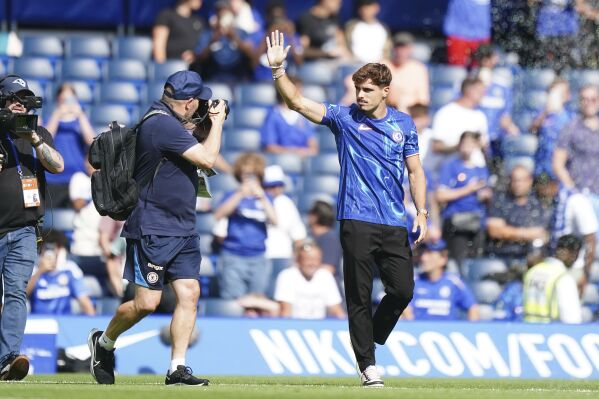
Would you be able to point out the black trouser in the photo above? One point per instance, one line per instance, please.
(365, 245)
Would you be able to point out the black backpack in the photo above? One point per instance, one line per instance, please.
(112, 153)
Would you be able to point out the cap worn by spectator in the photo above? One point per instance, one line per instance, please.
(15, 85)
(403, 39)
(273, 176)
(186, 85)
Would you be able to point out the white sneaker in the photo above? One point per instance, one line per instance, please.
(371, 378)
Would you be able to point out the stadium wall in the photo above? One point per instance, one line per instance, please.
(272, 347)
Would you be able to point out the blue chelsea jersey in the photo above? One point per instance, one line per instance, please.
(372, 155)
(442, 299)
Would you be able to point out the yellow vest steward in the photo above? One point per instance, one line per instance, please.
(540, 296)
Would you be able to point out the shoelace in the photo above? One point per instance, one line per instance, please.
(372, 373)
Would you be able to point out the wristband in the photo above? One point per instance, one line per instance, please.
(38, 143)
(276, 76)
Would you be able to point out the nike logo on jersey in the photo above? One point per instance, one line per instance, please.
(363, 127)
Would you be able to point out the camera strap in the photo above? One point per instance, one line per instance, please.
(29, 184)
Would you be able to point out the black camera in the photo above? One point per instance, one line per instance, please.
(19, 123)
(201, 120)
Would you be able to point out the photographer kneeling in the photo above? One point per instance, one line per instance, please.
(26, 152)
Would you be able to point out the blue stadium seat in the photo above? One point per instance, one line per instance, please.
(522, 145)
(34, 68)
(477, 269)
(243, 140)
(538, 79)
(85, 92)
(315, 93)
(306, 200)
(221, 307)
(587, 77)
(447, 75)
(205, 246)
(159, 72)
(154, 91)
(255, 94)
(222, 183)
(422, 52)
(86, 69)
(133, 47)
(292, 164)
(326, 141)
(322, 184)
(39, 89)
(317, 73)
(524, 119)
(504, 76)
(103, 114)
(443, 95)
(92, 286)
(595, 272)
(59, 219)
(43, 46)
(127, 70)
(230, 156)
(221, 91)
(486, 311)
(535, 99)
(509, 163)
(96, 47)
(486, 291)
(249, 116)
(125, 93)
(205, 222)
(591, 295)
(324, 164)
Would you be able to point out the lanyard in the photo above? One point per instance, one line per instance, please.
(16, 154)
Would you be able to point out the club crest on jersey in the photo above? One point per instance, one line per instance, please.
(397, 136)
(152, 277)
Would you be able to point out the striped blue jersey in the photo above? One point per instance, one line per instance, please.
(372, 155)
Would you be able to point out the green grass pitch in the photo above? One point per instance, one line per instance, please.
(80, 386)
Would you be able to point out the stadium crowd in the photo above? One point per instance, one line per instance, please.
(509, 149)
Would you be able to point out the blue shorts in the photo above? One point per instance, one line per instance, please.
(155, 261)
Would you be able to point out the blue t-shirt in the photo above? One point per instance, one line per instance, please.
(455, 174)
(557, 18)
(166, 205)
(468, 19)
(496, 103)
(53, 292)
(68, 141)
(246, 232)
(509, 305)
(442, 299)
(276, 130)
(371, 155)
(549, 133)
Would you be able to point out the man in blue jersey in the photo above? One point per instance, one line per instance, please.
(439, 295)
(374, 143)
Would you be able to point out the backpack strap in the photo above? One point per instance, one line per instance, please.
(148, 116)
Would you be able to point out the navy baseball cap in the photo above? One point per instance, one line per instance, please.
(435, 246)
(186, 85)
(15, 85)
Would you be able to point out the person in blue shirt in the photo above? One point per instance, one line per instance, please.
(509, 306)
(462, 187)
(57, 281)
(439, 295)
(467, 25)
(374, 143)
(285, 131)
(244, 266)
(162, 242)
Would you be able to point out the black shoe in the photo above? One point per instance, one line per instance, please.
(183, 376)
(102, 361)
(14, 368)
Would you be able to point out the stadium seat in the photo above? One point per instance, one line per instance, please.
(249, 116)
(43, 46)
(504, 76)
(585, 77)
(524, 119)
(324, 164)
(103, 114)
(39, 89)
(326, 141)
(96, 47)
(205, 245)
(222, 183)
(107, 305)
(522, 145)
(486, 312)
(85, 93)
(292, 164)
(204, 222)
(447, 75)
(160, 72)
(422, 52)
(154, 91)
(86, 69)
(317, 73)
(34, 68)
(538, 79)
(230, 156)
(535, 99)
(306, 200)
(255, 94)
(243, 140)
(486, 291)
(206, 265)
(443, 95)
(322, 184)
(315, 93)
(92, 286)
(125, 93)
(127, 70)
(478, 269)
(221, 307)
(133, 47)
(509, 163)
(591, 295)
(60, 219)
(595, 272)
(221, 91)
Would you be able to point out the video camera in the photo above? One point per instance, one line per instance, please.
(202, 122)
(17, 123)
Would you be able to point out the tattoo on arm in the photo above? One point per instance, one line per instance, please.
(51, 157)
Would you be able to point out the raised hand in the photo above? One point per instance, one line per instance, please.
(276, 51)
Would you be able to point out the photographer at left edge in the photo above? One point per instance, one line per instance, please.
(26, 152)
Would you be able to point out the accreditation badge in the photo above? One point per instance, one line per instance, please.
(31, 192)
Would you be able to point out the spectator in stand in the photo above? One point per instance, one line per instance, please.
(420, 113)
(321, 220)
(410, 83)
(224, 52)
(517, 222)
(464, 190)
(509, 306)
(368, 39)
(556, 32)
(439, 295)
(244, 267)
(72, 134)
(248, 19)
(459, 116)
(497, 101)
(289, 231)
(113, 252)
(549, 123)
(467, 25)
(176, 31)
(576, 156)
(588, 37)
(321, 34)
(308, 290)
(57, 280)
(286, 131)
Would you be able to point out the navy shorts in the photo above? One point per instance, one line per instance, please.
(155, 261)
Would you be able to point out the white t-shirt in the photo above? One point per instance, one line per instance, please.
(568, 301)
(86, 232)
(289, 228)
(80, 187)
(368, 41)
(453, 119)
(309, 299)
(579, 220)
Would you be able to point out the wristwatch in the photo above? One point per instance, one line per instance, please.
(39, 142)
(422, 212)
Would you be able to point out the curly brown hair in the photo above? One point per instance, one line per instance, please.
(378, 73)
(256, 161)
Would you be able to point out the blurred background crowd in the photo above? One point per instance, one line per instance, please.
(504, 94)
